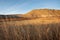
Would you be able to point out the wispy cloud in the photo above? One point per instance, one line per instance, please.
(22, 6)
(15, 9)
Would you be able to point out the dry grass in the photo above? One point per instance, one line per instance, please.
(36, 29)
(30, 32)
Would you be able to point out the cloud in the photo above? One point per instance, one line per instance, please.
(17, 8)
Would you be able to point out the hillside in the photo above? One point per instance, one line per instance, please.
(43, 13)
(37, 16)
(37, 13)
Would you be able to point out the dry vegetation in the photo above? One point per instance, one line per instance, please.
(30, 32)
(32, 26)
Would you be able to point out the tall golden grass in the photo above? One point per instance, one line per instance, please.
(30, 30)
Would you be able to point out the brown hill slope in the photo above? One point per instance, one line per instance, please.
(43, 13)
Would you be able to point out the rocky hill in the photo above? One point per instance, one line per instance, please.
(43, 13)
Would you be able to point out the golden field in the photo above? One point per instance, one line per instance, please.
(42, 24)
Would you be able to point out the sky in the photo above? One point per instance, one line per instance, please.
(24, 6)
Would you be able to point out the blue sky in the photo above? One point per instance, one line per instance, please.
(24, 6)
